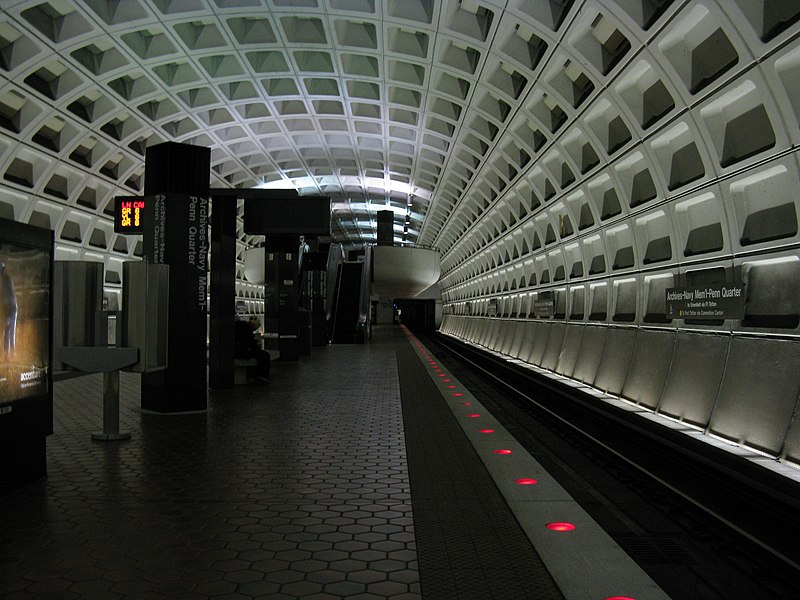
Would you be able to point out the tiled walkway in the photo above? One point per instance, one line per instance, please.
(296, 488)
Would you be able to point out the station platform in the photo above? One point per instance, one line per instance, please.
(361, 472)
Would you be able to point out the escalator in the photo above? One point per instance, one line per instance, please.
(346, 308)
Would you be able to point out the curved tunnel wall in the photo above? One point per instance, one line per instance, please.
(739, 388)
(665, 155)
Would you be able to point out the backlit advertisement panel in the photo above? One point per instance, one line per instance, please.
(24, 321)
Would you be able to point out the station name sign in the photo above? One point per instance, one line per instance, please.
(711, 302)
(493, 306)
(129, 214)
(544, 306)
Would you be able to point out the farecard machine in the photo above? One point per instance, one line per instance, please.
(80, 328)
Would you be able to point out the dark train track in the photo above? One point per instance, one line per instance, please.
(702, 522)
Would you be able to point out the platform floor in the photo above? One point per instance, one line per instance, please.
(295, 488)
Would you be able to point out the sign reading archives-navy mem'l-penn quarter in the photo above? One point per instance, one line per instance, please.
(706, 302)
(176, 234)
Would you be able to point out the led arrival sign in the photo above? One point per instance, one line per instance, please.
(129, 214)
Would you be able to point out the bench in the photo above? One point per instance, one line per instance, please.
(240, 366)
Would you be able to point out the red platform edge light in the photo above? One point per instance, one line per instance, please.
(474, 415)
(560, 526)
(466, 403)
(526, 481)
(457, 394)
(501, 451)
(485, 430)
(450, 387)
(619, 598)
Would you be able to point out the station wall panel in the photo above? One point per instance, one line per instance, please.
(555, 341)
(791, 447)
(616, 359)
(541, 333)
(571, 347)
(650, 364)
(694, 377)
(590, 354)
(770, 370)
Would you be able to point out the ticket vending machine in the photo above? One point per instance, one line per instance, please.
(145, 314)
(80, 338)
(78, 318)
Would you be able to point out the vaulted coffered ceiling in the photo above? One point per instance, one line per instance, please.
(365, 101)
(434, 109)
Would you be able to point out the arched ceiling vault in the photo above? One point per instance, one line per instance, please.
(458, 115)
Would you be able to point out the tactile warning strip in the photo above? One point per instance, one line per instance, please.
(582, 559)
(469, 544)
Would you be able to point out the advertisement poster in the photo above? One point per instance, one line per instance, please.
(24, 322)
